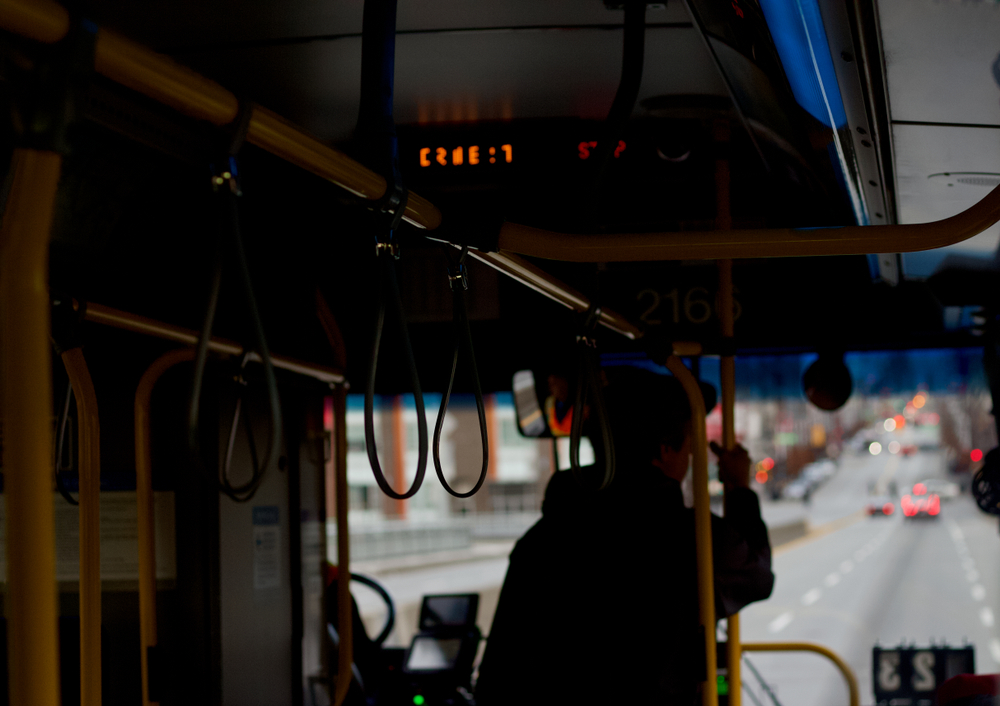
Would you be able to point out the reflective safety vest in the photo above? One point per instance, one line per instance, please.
(558, 427)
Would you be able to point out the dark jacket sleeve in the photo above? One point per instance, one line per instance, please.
(742, 554)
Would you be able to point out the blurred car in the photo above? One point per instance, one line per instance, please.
(818, 471)
(920, 504)
(880, 506)
(796, 489)
(946, 489)
(809, 479)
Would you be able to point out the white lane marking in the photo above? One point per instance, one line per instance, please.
(995, 650)
(978, 592)
(811, 597)
(986, 617)
(962, 549)
(860, 556)
(968, 564)
(780, 623)
(972, 575)
(846, 567)
(955, 530)
(832, 580)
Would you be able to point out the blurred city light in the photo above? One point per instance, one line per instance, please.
(761, 477)
(919, 401)
(976, 455)
(900, 421)
(894, 447)
(890, 424)
(875, 448)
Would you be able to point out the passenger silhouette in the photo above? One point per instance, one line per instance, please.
(600, 601)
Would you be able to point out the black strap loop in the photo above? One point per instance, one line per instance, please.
(588, 380)
(238, 492)
(459, 282)
(390, 286)
(230, 223)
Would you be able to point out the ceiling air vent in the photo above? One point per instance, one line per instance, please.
(986, 180)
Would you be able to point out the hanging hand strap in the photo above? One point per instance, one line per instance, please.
(226, 183)
(459, 281)
(588, 380)
(389, 289)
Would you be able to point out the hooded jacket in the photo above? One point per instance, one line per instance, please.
(600, 601)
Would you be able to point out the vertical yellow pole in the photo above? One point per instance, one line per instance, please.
(727, 375)
(90, 526)
(702, 525)
(26, 393)
(145, 518)
(345, 654)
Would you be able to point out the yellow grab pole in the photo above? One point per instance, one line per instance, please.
(26, 393)
(702, 525)
(345, 653)
(727, 379)
(542, 282)
(838, 661)
(145, 518)
(727, 375)
(750, 243)
(125, 321)
(90, 526)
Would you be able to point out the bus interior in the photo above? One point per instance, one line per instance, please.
(251, 253)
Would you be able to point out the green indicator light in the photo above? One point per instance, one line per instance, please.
(418, 700)
(722, 684)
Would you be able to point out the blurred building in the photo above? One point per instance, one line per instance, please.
(508, 503)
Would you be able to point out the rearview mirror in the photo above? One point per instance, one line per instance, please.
(530, 419)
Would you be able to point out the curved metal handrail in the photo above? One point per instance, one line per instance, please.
(26, 410)
(145, 519)
(90, 525)
(778, 242)
(845, 669)
(702, 523)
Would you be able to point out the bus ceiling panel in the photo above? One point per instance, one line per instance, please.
(467, 76)
(166, 24)
(858, 69)
(940, 59)
(942, 171)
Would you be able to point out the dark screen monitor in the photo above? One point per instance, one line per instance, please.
(448, 611)
(429, 653)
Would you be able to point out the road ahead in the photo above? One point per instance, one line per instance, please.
(882, 580)
(870, 579)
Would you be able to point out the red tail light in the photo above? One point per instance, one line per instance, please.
(934, 504)
(888, 509)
